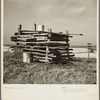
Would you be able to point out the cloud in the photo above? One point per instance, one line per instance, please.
(61, 15)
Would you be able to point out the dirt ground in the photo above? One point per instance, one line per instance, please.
(80, 71)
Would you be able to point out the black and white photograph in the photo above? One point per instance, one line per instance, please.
(50, 42)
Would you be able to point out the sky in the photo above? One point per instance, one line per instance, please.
(76, 16)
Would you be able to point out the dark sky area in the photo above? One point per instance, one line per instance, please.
(77, 16)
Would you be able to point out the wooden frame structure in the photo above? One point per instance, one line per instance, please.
(44, 46)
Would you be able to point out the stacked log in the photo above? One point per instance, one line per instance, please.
(44, 46)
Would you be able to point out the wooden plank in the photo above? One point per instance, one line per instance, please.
(37, 50)
(37, 53)
(38, 46)
(46, 61)
(41, 60)
(32, 36)
(41, 39)
(63, 42)
(35, 46)
(46, 43)
(26, 39)
(13, 38)
(67, 55)
(57, 44)
(58, 35)
(66, 52)
(59, 39)
(37, 35)
(34, 31)
(42, 54)
(62, 49)
(41, 57)
(41, 45)
(47, 50)
(25, 36)
(52, 33)
(30, 40)
(59, 48)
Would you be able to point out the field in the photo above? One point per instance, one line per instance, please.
(79, 71)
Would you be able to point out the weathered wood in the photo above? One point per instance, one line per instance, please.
(59, 39)
(37, 53)
(54, 43)
(13, 38)
(42, 35)
(67, 55)
(42, 54)
(32, 36)
(52, 33)
(19, 29)
(36, 50)
(47, 50)
(47, 61)
(59, 35)
(50, 48)
(44, 46)
(59, 48)
(41, 57)
(66, 52)
(34, 27)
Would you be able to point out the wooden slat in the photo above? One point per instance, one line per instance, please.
(41, 54)
(45, 43)
(59, 39)
(34, 31)
(41, 57)
(24, 36)
(67, 55)
(59, 48)
(38, 35)
(32, 36)
(30, 40)
(66, 52)
(57, 35)
(37, 50)
(38, 46)
(44, 61)
(23, 32)
(37, 53)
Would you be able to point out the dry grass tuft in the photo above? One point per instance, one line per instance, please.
(81, 71)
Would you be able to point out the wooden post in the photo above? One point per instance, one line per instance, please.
(89, 47)
(19, 29)
(46, 57)
(46, 62)
(47, 50)
(34, 27)
(67, 36)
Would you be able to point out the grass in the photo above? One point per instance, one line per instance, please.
(80, 71)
